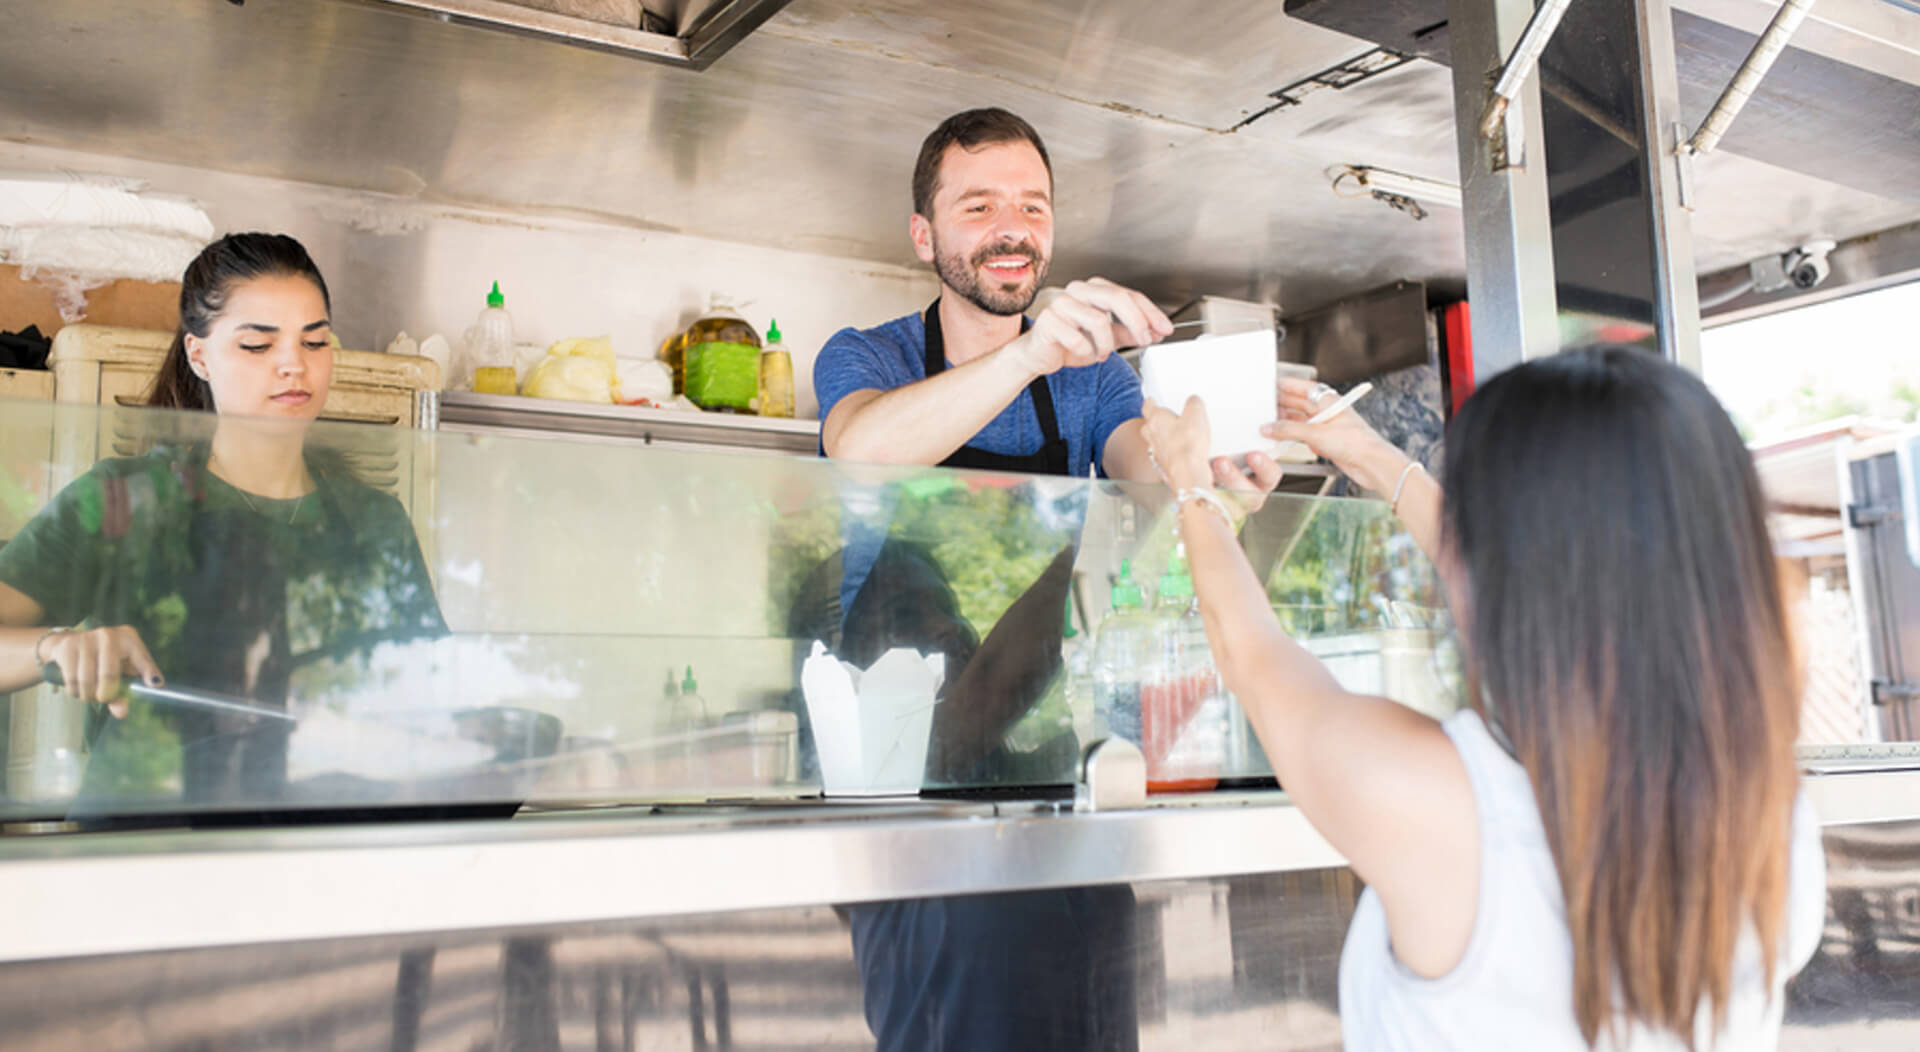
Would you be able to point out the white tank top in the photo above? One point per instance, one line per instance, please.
(1513, 988)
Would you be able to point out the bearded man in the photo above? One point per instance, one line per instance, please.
(971, 382)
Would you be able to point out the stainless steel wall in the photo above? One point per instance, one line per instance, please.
(1229, 963)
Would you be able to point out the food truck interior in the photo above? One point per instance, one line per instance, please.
(706, 705)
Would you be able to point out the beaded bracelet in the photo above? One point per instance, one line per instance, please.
(1211, 500)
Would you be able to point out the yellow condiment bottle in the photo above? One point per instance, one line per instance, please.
(493, 379)
(776, 376)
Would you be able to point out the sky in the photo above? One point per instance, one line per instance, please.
(1854, 348)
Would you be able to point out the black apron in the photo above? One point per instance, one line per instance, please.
(1008, 972)
(1050, 459)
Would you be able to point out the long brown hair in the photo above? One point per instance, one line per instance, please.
(204, 288)
(1627, 626)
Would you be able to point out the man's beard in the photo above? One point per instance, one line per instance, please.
(963, 277)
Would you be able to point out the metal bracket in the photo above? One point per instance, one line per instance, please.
(1683, 167)
(1890, 692)
(1113, 777)
(1508, 141)
(1401, 203)
(1867, 516)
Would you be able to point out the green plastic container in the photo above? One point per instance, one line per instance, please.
(723, 376)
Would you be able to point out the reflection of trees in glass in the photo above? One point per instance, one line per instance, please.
(202, 576)
(1349, 554)
(800, 539)
(989, 540)
(144, 761)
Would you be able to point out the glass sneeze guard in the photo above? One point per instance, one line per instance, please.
(455, 621)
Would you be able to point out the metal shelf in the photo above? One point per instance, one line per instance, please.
(463, 411)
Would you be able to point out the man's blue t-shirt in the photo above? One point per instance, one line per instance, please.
(1090, 401)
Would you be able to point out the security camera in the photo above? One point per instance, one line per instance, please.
(1807, 266)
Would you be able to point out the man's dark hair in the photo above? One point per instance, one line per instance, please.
(970, 131)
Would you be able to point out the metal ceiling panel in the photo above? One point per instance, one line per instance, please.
(690, 35)
(1848, 114)
(803, 137)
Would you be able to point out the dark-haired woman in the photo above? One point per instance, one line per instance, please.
(221, 563)
(1608, 847)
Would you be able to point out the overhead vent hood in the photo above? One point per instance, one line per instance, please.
(690, 34)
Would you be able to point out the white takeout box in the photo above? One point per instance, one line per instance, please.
(871, 726)
(1236, 376)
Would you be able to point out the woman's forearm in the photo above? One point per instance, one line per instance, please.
(1419, 511)
(1387, 473)
(20, 631)
(18, 669)
(1250, 650)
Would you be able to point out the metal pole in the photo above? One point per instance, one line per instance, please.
(1748, 76)
(1525, 55)
(1509, 236)
(1676, 287)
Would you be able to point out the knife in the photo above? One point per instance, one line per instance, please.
(183, 697)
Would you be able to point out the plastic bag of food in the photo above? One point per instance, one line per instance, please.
(723, 375)
(574, 371)
(643, 381)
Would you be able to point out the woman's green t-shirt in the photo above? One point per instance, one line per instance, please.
(232, 594)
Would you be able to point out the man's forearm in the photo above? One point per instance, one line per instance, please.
(1125, 457)
(924, 422)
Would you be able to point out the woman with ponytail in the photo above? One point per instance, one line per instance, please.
(1608, 847)
(222, 563)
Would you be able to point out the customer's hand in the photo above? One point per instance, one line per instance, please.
(1347, 440)
(1178, 444)
(95, 662)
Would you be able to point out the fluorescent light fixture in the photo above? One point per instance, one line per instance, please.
(1399, 184)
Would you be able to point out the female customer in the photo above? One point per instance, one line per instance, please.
(1608, 847)
(223, 559)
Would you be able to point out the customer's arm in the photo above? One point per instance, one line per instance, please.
(1381, 782)
(1366, 458)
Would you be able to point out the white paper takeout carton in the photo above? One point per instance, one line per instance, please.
(871, 726)
(1236, 376)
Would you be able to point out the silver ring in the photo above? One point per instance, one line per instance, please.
(1322, 393)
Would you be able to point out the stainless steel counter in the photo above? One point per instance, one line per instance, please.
(82, 895)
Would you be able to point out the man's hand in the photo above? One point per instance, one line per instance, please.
(1083, 325)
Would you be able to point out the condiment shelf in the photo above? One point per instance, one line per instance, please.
(464, 411)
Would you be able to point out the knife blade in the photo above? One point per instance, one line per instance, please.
(184, 697)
